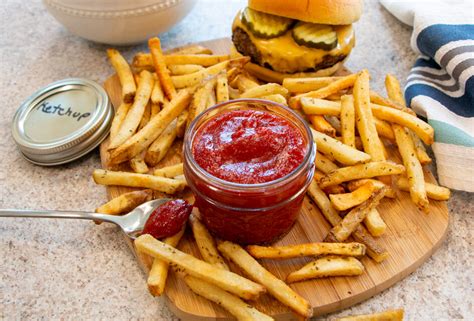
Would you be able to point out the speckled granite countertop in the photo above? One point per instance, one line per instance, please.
(55, 269)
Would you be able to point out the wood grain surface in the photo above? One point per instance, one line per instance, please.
(411, 238)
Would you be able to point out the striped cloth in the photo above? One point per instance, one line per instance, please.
(440, 86)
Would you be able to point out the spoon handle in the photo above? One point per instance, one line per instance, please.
(59, 214)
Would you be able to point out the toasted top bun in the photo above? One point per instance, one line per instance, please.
(331, 12)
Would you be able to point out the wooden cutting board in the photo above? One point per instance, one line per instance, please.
(411, 238)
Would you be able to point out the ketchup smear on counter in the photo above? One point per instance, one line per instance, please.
(248, 147)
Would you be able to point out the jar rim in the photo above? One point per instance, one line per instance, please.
(188, 141)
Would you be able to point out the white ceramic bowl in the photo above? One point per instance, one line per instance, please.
(118, 22)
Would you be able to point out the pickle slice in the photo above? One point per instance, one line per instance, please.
(264, 25)
(315, 35)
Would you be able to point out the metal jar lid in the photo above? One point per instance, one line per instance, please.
(62, 121)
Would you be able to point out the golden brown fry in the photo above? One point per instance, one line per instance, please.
(202, 60)
(353, 185)
(324, 164)
(414, 171)
(224, 279)
(433, 191)
(342, 202)
(211, 99)
(181, 123)
(327, 266)
(316, 106)
(118, 119)
(384, 129)
(365, 119)
(146, 116)
(421, 153)
(161, 184)
(322, 125)
(375, 98)
(222, 87)
(124, 73)
(192, 50)
(199, 102)
(243, 82)
(359, 171)
(374, 223)
(265, 90)
(241, 310)
(206, 244)
(389, 315)
(349, 223)
(159, 270)
(348, 121)
(418, 126)
(136, 111)
(177, 70)
(342, 153)
(155, 109)
(157, 151)
(334, 87)
(169, 171)
(280, 99)
(303, 85)
(160, 67)
(157, 96)
(138, 164)
(125, 202)
(145, 137)
(308, 249)
(275, 286)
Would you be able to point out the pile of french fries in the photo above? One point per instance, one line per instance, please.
(356, 130)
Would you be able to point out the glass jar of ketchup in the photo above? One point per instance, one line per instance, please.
(249, 163)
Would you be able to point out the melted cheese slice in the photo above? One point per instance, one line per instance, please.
(276, 51)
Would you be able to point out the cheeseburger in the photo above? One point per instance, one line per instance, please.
(297, 38)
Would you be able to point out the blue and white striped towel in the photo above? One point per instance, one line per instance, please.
(440, 86)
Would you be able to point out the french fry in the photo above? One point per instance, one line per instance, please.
(118, 119)
(146, 116)
(384, 129)
(414, 171)
(421, 153)
(342, 153)
(243, 82)
(347, 121)
(349, 223)
(211, 99)
(324, 164)
(192, 50)
(155, 109)
(435, 192)
(374, 223)
(365, 119)
(316, 106)
(333, 189)
(206, 244)
(389, 315)
(302, 85)
(322, 125)
(157, 95)
(169, 171)
(375, 98)
(138, 164)
(194, 79)
(418, 126)
(177, 70)
(265, 90)
(224, 279)
(222, 87)
(374, 250)
(274, 286)
(159, 270)
(334, 87)
(124, 73)
(327, 266)
(160, 67)
(199, 102)
(353, 185)
(280, 99)
(359, 171)
(342, 202)
(241, 310)
(309, 249)
(145, 137)
(201, 60)
(161, 184)
(158, 149)
(181, 123)
(135, 113)
(125, 202)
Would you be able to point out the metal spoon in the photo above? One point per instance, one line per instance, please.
(131, 224)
